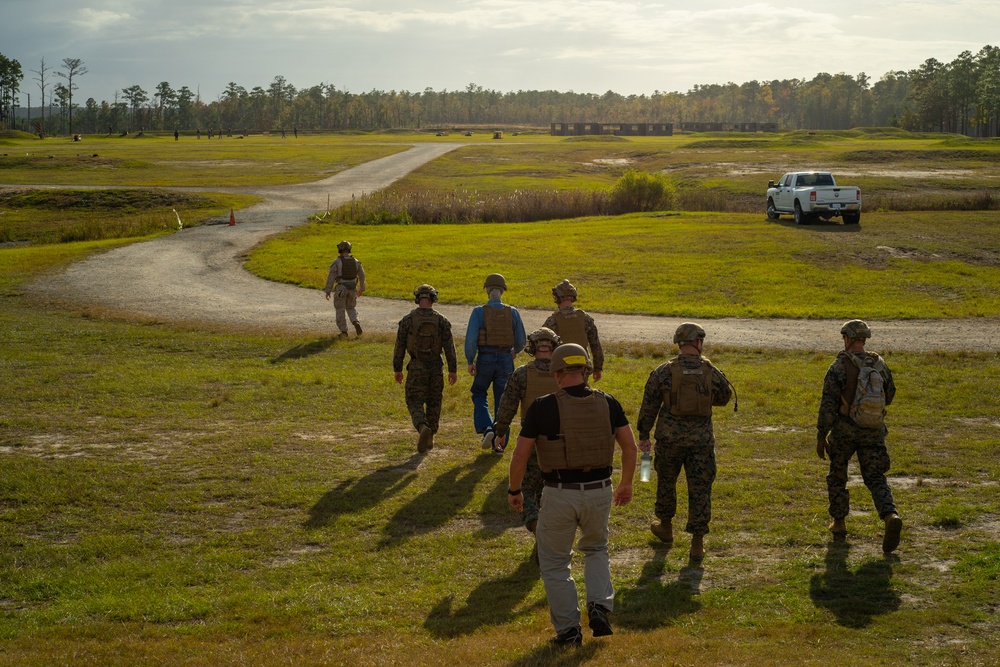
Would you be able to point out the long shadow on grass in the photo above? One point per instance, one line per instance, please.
(351, 496)
(491, 603)
(433, 508)
(855, 598)
(304, 350)
(651, 603)
(552, 656)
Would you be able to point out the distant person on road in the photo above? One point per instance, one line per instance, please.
(424, 333)
(852, 422)
(575, 326)
(574, 432)
(493, 338)
(176, 135)
(346, 281)
(679, 397)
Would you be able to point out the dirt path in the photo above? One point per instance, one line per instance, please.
(196, 276)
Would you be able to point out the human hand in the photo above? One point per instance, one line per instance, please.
(645, 446)
(399, 378)
(452, 378)
(822, 446)
(327, 296)
(517, 502)
(623, 494)
(472, 370)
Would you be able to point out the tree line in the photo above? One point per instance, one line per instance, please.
(961, 96)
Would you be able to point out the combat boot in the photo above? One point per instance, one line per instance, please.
(697, 547)
(839, 527)
(357, 327)
(664, 531)
(893, 528)
(426, 441)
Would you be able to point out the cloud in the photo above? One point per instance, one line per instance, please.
(96, 20)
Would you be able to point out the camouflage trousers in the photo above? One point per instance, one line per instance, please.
(345, 303)
(424, 391)
(699, 470)
(873, 459)
(531, 487)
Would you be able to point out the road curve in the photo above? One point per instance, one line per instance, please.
(196, 276)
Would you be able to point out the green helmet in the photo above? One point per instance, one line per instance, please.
(570, 357)
(564, 290)
(537, 336)
(688, 332)
(495, 280)
(425, 291)
(856, 330)
(344, 246)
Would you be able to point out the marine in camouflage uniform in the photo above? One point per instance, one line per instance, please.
(682, 440)
(524, 385)
(424, 380)
(841, 438)
(575, 326)
(346, 281)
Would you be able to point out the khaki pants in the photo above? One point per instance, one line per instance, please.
(345, 301)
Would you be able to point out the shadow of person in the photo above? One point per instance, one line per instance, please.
(433, 508)
(557, 656)
(650, 603)
(493, 602)
(304, 350)
(855, 598)
(352, 496)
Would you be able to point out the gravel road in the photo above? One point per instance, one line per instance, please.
(196, 276)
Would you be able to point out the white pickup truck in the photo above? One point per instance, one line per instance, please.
(811, 194)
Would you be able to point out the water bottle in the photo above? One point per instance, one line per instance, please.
(645, 467)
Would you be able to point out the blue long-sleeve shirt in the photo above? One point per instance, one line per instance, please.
(476, 322)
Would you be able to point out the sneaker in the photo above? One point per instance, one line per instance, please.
(664, 531)
(571, 637)
(426, 441)
(488, 437)
(599, 623)
(893, 527)
(357, 327)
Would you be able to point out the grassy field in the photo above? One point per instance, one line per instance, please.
(171, 496)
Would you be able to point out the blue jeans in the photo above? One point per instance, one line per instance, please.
(491, 369)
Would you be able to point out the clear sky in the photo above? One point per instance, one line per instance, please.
(586, 46)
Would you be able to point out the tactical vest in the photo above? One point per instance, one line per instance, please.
(572, 328)
(587, 440)
(348, 271)
(690, 389)
(498, 327)
(423, 342)
(539, 383)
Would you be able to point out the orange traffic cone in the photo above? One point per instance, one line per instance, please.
(232, 218)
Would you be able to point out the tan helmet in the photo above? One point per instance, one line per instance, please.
(537, 336)
(495, 280)
(570, 357)
(344, 246)
(688, 332)
(856, 330)
(564, 290)
(425, 291)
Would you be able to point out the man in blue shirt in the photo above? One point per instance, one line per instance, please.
(493, 338)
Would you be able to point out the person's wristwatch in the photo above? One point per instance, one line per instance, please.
(511, 492)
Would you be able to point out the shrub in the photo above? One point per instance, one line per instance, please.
(638, 191)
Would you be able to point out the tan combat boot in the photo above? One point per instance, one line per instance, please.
(838, 527)
(426, 441)
(893, 527)
(664, 531)
(697, 547)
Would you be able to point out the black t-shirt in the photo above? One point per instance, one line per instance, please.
(542, 418)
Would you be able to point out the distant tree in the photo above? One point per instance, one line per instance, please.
(136, 97)
(61, 95)
(74, 69)
(10, 83)
(41, 72)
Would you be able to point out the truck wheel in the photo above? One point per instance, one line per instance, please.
(800, 217)
(852, 218)
(772, 213)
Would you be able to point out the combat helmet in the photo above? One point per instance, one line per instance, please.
(423, 291)
(688, 332)
(495, 280)
(564, 290)
(570, 357)
(344, 246)
(856, 330)
(537, 336)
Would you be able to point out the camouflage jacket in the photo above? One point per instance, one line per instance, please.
(833, 387)
(513, 394)
(403, 334)
(593, 341)
(685, 431)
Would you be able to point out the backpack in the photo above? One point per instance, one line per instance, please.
(867, 409)
(424, 339)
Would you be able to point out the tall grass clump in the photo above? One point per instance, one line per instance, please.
(639, 191)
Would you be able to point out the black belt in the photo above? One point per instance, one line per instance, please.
(579, 486)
